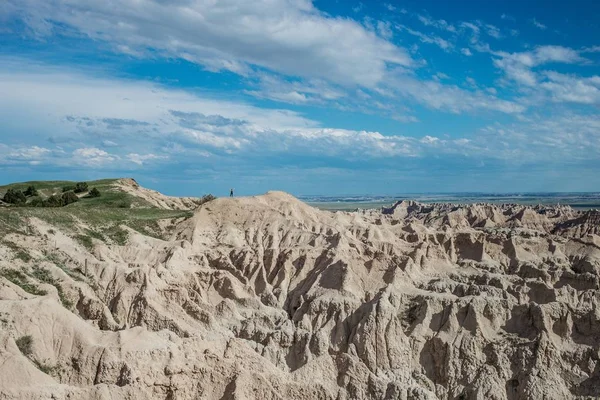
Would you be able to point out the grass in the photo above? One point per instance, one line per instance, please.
(54, 258)
(85, 241)
(114, 207)
(48, 188)
(21, 280)
(43, 275)
(45, 368)
(118, 235)
(20, 253)
(24, 343)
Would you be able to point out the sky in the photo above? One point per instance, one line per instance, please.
(311, 97)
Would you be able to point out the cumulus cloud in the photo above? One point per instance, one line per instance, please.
(130, 124)
(92, 156)
(286, 36)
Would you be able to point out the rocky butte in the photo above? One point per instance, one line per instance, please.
(268, 298)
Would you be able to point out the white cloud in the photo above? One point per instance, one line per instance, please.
(568, 88)
(92, 156)
(384, 28)
(493, 31)
(290, 37)
(466, 52)
(538, 24)
(518, 66)
(141, 159)
(450, 98)
(429, 139)
(431, 39)
(33, 153)
(439, 23)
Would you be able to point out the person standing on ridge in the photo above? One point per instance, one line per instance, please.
(231, 193)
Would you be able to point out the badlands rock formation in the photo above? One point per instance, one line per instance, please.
(268, 298)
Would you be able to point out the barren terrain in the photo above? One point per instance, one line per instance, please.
(268, 298)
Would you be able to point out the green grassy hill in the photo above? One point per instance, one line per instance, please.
(89, 217)
(110, 197)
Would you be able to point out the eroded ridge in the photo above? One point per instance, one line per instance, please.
(266, 297)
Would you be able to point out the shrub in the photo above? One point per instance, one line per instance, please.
(207, 198)
(24, 344)
(68, 188)
(94, 193)
(81, 187)
(36, 202)
(31, 191)
(53, 201)
(68, 198)
(13, 196)
(86, 241)
(20, 279)
(45, 368)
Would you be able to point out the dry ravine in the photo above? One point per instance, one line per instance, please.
(268, 298)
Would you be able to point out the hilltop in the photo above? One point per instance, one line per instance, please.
(266, 297)
(121, 193)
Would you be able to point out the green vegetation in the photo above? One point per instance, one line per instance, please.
(20, 253)
(54, 258)
(85, 241)
(105, 208)
(81, 187)
(23, 255)
(69, 198)
(47, 369)
(118, 235)
(43, 275)
(24, 344)
(21, 280)
(14, 196)
(31, 191)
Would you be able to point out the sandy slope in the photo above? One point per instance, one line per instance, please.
(268, 298)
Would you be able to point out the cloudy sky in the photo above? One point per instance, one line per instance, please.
(310, 97)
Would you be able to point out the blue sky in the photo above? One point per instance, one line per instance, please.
(310, 97)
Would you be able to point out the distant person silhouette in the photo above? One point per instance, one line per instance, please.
(231, 193)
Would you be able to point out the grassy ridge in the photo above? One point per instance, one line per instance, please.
(113, 208)
(48, 188)
(110, 197)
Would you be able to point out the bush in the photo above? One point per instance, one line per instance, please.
(13, 196)
(94, 193)
(54, 201)
(68, 188)
(24, 344)
(81, 187)
(207, 198)
(68, 198)
(31, 191)
(36, 202)
(21, 280)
